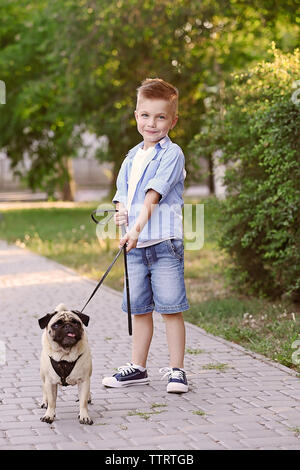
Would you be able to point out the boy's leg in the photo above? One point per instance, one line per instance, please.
(175, 332)
(142, 333)
(135, 373)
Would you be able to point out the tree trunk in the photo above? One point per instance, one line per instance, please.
(211, 181)
(69, 187)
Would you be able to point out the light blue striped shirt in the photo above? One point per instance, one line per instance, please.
(164, 172)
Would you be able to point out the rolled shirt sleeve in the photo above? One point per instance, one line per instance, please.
(169, 172)
(121, 183)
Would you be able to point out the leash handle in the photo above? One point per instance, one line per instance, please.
(103, 211)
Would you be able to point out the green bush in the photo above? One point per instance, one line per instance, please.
(260, 138)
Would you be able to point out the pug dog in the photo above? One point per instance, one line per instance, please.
(65, 359)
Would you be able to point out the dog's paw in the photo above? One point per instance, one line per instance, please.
(44, 405)
(47, 419)
(85, 420)
(89, 401)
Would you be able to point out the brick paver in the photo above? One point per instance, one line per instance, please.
(253, 403)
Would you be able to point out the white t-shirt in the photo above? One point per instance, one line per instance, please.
(136, 172)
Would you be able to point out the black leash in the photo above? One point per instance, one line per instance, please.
(97, 212)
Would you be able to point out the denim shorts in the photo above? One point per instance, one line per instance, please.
(156, 278)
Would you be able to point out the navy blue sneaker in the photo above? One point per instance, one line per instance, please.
(177, 382)
(130, 374)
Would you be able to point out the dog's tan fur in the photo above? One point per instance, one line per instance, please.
(80, 374)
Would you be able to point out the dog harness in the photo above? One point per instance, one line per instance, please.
(63, 369)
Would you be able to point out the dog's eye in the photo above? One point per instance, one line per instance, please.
(75, 322)
(57, 324)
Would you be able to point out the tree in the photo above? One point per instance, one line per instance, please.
(36, 118)
(260, 138)
(79, 62)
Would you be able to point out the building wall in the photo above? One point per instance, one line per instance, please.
(87, 172)
(7, 180)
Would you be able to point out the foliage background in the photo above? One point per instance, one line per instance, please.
(259, 135)
(80, 62)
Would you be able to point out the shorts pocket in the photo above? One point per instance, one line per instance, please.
(176, 248)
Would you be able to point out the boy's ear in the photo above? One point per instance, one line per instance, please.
(174, 122)
(43, 322)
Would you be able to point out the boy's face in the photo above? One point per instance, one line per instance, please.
(154, 117)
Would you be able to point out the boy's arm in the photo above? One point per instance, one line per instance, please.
(120, 196)
(169, 173)
(121, 217)
(151, 200)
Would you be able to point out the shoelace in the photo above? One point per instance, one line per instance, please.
(125, 370)
(174, 374)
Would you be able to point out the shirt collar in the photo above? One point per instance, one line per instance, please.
(163, 143)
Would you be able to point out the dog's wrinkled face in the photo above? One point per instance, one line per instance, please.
(65, 328)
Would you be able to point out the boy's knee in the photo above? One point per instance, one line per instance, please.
(171, 316)
(143, 315)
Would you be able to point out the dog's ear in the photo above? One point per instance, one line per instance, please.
(43, 322)
(84, 318)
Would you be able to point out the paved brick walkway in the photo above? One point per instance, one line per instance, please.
(251, 403)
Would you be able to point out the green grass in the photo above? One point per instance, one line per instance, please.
(68, 235)
(264, 327)
(199, 413)
(158, 405)
(194, 351)
(218, 366)
(296, 431)
(146, 414)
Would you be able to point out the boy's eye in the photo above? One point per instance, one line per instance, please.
(162, 117)
(144, 115)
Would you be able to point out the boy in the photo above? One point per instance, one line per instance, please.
(149, 201)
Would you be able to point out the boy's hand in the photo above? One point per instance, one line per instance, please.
(131, 239)
(121, 217)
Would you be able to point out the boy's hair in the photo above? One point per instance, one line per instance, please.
(156, 88)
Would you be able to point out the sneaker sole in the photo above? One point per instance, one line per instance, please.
(177, 388)
(116, 384)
